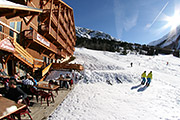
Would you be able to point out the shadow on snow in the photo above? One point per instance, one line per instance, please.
(142, 89)
(134, 87)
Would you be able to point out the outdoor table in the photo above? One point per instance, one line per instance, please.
(50, 88)
(46, 86)
(64, 79)
(9, 107)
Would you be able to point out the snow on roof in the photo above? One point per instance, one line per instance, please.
(8, 4)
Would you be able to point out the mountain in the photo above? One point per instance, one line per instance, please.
(170, 40)
(88, 33)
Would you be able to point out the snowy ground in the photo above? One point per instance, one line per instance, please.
(94, 99)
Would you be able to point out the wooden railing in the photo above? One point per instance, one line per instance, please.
(32, 34)
(38, 63)
(20, 52)
(52, 32)
(69, 50)
(23, 53)
(59, 40)
(61, 31)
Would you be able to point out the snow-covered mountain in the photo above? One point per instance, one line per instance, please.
(170, 40)
(88, 33)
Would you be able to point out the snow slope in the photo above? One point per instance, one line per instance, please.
(94, 99)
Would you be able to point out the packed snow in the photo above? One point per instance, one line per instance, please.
(111, 90)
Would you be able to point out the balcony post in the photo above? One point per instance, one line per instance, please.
(51, 7)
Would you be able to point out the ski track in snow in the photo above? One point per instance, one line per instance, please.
(94, 99)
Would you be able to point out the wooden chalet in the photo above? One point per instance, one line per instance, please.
(34, 34)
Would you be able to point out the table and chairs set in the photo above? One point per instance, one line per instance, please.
(44, 90)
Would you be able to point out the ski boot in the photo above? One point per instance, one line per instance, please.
(142, 83)
(147, 84)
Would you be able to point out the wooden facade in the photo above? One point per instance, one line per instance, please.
(41, 32)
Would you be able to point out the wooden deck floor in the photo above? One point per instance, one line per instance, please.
(41, 112)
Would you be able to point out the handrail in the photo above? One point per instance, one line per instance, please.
(11, 38)
(24, 53)
(4, 24)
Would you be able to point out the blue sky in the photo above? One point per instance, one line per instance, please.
(135, 21)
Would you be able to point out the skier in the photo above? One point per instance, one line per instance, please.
(149, 78)
(143, 77)
(131, 64)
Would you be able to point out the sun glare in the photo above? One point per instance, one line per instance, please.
(173, 21)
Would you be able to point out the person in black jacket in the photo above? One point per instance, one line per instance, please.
(15, 93)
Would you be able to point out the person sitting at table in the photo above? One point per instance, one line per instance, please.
(22, 80)
(17, 76)
(2, 72)
(17, 79)
(28, 76)
(15, 93)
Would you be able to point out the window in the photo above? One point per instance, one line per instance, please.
(18, 28)
(44, 59)
(1, 28)
(11, 33)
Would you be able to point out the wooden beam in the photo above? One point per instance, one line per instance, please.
(27, 23)
(7, 58)
(18, 13)
(46, 2)
(45, 33)
(28, 44)
(45, 19)
(51, 6)
(58, 22)
(43, 51)
(5, 25)
(51, 55)
(10, 12)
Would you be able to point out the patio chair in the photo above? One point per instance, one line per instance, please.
(46, 96)
(35, 92)
(24, 111)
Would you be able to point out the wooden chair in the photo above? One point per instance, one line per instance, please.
(46, 96)
(35, 92)
(23, 111)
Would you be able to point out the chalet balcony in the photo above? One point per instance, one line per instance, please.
(62, 53)
(55, 28)
(39, 39)
(21, 54)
